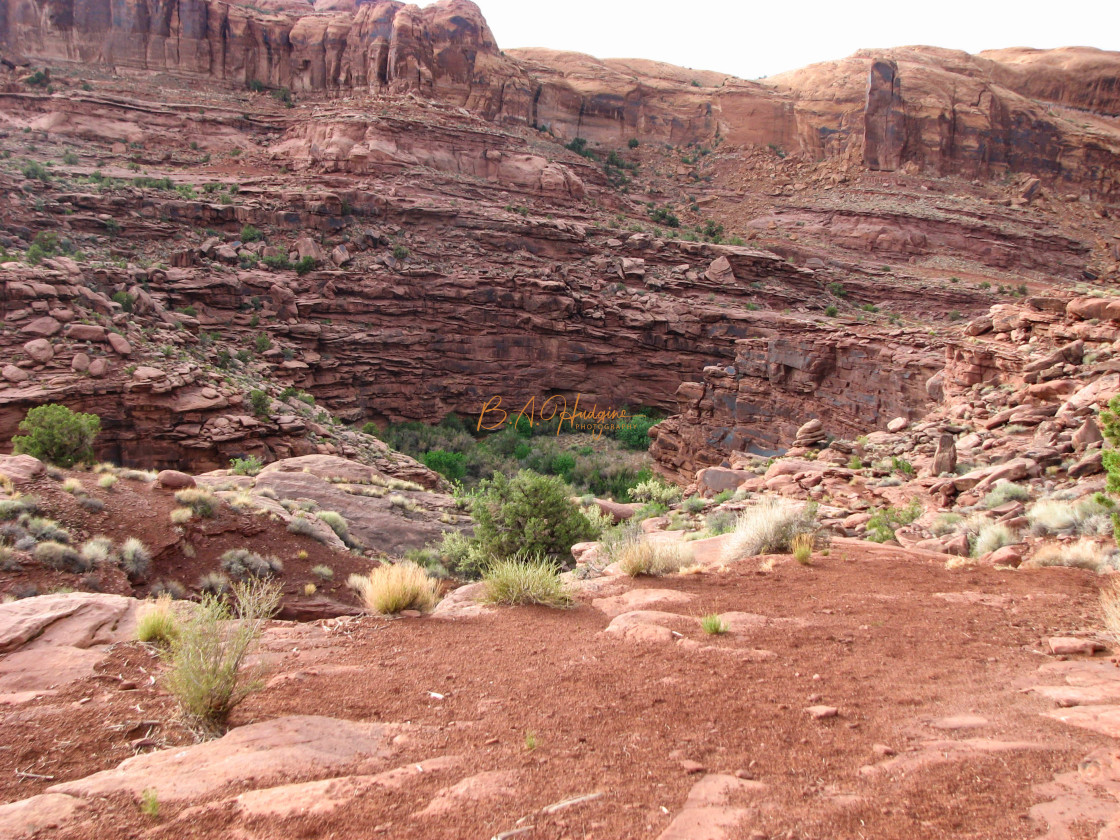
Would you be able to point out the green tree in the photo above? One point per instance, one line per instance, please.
(530, 513)
(261, 402)
(55, 434)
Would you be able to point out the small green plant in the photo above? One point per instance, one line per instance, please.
(884, 522)
(181, 516)
(306, 265)
(249, 465)
(713, 625)
(149, 803)
(530, 741)
(107, 481)
(400, 252)
(251, 234)
(802, 548)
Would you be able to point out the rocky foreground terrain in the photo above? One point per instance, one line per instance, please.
(881, 289)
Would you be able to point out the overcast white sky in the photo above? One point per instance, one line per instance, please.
(751, 39)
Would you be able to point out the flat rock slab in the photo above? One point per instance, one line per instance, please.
(933, 753)
(74, 619)
(649, 626)
(28, 817)
(1070, 646)
(638, 599)
(492, 784)
(35, 671)
(711, 810)
(328, 795)
(288, 746)
(1101, 718)
(1086, 682)
(462, 602)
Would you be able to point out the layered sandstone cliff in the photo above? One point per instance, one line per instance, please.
(1051, 114)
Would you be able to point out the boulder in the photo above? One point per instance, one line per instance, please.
(39, 350)
(80, 363)
(174, 480)
(945, 458)
(14, 374)
(715, 480)
(43, 327)
(21, 469)
(119, 344)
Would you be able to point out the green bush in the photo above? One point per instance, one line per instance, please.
(251, 234)
(634, 432)
(305, 265)
(261, 402)
(448, 464)
(531, 514)
(525, 579)
(57, 435)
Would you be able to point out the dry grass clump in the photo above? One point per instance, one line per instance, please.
(107, 481)
(198, 499)
(181, 516)
(713, 625)
(1082, 554)
(72, 486)
(241, 563)
(1088, 517)
(1004, 492)
(641, 557)
(337, 523)
(522, 580)
(990, 536)
(323, 572)
(769, 528)
(60, 557)
(802, 548)
(215, 583)
(136, 559)
(394, 587)
(156, 621)
(97, 550)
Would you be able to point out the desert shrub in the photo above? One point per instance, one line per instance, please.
(198, 499)
(693, 504)
(640, 556)
(713, 625)
(1081, 554)
(8, 560)
(304, 527)
(138, 475)
(72, 486)
(656, 492)
(97, 550)
(530, 513)
(394, 587)
(60, 557)
(1004, 492)
(634, 431)
(205, 674)
(769, 528)
(306, 265)
(249, 465)
(1089, 516)
(990, 537)
(462, 556)
(181, 516)
(42, 529)
(156, 621)
(337, 523)
(884, 521)
(14, 508)
(525, 579)
(719, 522)
(448, 464)
(260, 402)
(241, 564)
(323, 572)
(946, 523)
(170, 588)
(107, 481)
(91, 503)
(135, 558)
(57, 435)
(214, 583)
(402, 503)
(598, 519)
(251, 234)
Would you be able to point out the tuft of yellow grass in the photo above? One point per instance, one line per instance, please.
(156, 621)
(642, 557)
(395, 587)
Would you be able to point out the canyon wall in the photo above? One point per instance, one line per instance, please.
(1052, 114)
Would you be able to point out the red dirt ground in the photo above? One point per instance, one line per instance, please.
(619, 718)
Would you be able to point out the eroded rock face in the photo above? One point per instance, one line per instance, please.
(937, 110)
(784, 374)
